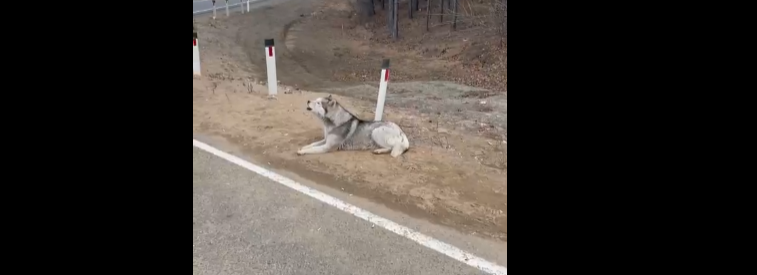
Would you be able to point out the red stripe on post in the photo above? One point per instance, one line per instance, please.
(270, 51)
(386, 75)
(194, 42)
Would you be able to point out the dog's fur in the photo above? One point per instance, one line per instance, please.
(342, 130)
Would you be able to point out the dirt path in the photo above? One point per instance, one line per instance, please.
(455, 174)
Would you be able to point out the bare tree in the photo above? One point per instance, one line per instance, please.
(389, 16)
(428, 12)
(454, 17)
(441, 10)
(366, 8)
(499, 12)
(410, 8)
(396, 33)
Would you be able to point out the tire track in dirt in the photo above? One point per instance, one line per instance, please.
(270, 21)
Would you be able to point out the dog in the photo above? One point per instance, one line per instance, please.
(342, 131)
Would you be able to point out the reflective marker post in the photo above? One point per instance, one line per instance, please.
(383, 83)
(270, 62)
(195, 55)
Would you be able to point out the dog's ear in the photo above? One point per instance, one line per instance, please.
(331, 101)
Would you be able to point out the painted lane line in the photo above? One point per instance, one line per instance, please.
(436, 245)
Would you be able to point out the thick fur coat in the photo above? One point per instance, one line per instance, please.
(342, 130)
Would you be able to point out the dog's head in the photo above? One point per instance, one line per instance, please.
(329, 109)
(322, 105)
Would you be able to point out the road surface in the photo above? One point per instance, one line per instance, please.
(200, 7)
(244, 223)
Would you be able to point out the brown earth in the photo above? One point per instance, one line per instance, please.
(337, 43)
(456, 171)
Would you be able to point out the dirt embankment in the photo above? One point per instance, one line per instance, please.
(338, 43)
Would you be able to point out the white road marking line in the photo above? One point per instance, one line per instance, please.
(436, 245)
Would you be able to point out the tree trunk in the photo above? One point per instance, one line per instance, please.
(389, 19)
(396, 19)
(366, 8)
(410, 8)
(428, 13)
(441, 10)
(504, 27)
(454, 17)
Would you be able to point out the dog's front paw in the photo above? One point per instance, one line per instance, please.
(300, 152)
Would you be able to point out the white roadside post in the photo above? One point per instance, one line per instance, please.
(382, 90)
(270, 62)
(241, 6)
(214, 9)
(195, 55)
(227, 8)
(248, 6)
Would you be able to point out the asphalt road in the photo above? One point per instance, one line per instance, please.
(246, 224)
(199, 7)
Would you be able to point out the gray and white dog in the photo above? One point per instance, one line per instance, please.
(342, 130)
